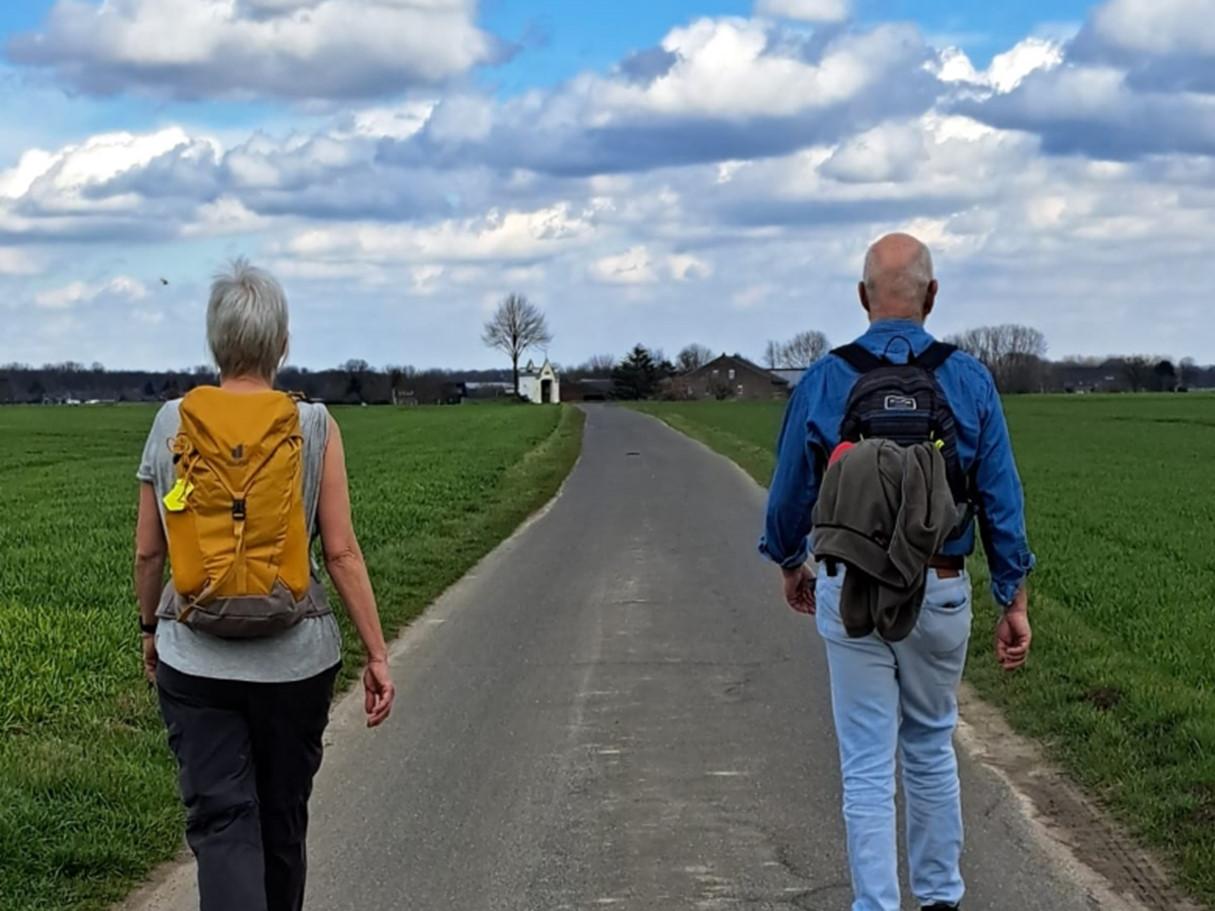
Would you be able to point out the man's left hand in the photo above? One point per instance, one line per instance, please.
(799, 589)
(1013, 633)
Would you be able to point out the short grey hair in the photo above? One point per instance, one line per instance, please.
(247, 321)
(908, 283)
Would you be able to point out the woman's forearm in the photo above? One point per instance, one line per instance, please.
(149, 583)
(348, 571)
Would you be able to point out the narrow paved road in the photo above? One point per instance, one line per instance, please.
(617, 711)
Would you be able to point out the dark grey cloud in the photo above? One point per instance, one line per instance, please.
(188, 171)
(1096, 113)
(773, 211)
(648, 65)
(295, 178)
(1137, 80)
(1161, 45)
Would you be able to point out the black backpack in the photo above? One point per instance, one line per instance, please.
(904, 403)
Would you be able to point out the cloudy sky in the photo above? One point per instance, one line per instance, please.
(663, 171)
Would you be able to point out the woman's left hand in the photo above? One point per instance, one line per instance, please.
(379, 692)
(149, 656)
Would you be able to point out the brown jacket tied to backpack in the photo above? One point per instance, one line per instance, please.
(235, 523)
(884, 511)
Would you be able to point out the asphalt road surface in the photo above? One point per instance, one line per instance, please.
(616, 710)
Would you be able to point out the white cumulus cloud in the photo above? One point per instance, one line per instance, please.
(285, 48)
(75, 293)
(632, 267)
(806, 10)
(730, 68)
(501, 236)
(686, 267)
(1007, 70)
(15, 261)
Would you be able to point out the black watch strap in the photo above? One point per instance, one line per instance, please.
(147, 628)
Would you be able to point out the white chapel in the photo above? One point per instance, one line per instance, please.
(540, 385)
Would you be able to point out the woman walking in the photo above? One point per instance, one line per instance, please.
(237, 480)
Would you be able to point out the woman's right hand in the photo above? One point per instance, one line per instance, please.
(379, 691)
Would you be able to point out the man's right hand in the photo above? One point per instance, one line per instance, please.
(1013, 634)
(799, 589)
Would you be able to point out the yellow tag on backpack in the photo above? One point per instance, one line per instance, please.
(238, 537)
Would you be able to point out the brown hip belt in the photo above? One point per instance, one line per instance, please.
(947, 567)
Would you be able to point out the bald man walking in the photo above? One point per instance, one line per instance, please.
(899, 698)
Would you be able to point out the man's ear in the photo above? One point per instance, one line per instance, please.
(930, 299)
(860, 288)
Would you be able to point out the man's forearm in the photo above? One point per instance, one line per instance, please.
(1020, 601)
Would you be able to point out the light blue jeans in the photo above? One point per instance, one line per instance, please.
(900, 698)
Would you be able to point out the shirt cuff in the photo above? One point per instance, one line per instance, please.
(1005, 591)
(798, 559)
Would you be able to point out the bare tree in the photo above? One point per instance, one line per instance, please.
(805, 348)
(398, 375)
(1014, 354)
(692, 358)
(774, 355)
(1187, 371)
(798, 353)
(1137, 371)
(600, 364)
(516, 326)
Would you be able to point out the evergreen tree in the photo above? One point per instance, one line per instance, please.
(638, 376)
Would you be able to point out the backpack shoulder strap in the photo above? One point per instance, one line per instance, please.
(935, 355)
(858, 357)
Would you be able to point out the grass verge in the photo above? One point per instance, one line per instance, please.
(1121, 686)
(88, 801)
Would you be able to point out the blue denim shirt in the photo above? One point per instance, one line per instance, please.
(811, 432)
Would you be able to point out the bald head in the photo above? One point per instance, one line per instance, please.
(898, 282)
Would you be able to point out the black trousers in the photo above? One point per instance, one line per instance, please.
(247, 753)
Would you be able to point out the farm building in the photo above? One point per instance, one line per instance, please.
(792, 377)
(540, 385)
(731, 376)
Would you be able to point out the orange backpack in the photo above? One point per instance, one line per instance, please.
(238, 536)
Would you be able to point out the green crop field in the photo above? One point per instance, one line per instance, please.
(87, 787)
(1121, 512)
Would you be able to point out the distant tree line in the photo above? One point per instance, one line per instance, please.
(1015, 355)
(352, 383)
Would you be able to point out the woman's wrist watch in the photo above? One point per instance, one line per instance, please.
(148, 629)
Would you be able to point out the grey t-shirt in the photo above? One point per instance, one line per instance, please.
(311, 646)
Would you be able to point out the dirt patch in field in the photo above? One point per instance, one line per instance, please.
(1120, 875)
(1103, 698)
